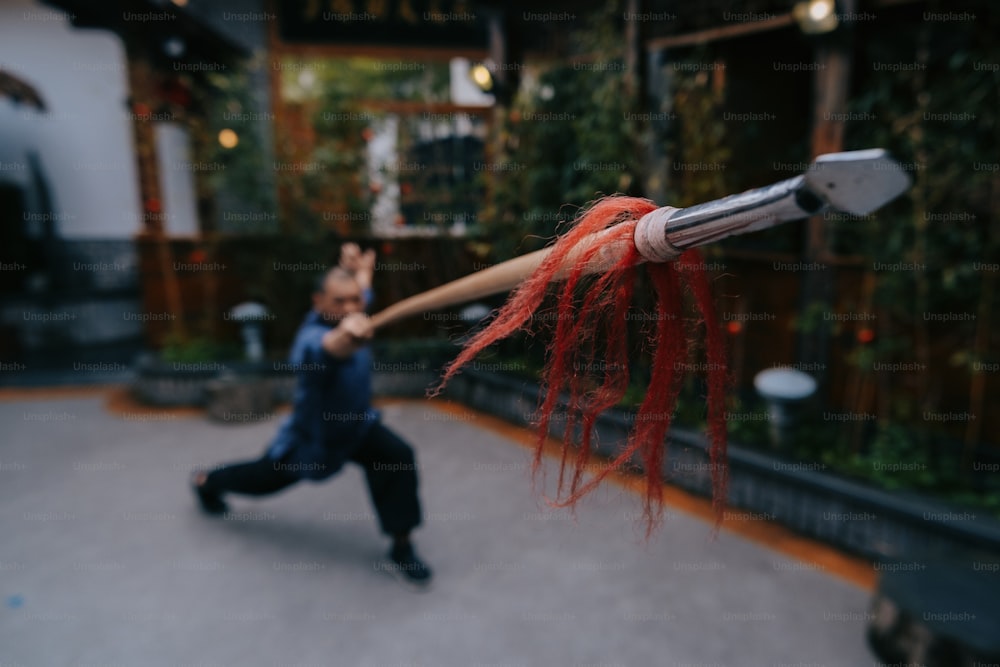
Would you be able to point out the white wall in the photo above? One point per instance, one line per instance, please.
(177, 186)
(85, 141)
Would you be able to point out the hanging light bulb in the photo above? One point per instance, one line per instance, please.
(816, 17)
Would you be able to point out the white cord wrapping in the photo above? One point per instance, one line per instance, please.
(651, 236)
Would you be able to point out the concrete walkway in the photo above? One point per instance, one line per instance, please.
(104, 560)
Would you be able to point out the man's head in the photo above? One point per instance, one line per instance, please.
(336, 295)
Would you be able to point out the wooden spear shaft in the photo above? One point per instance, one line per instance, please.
(501, 278)
(489, 281)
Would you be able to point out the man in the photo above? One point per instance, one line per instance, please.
(332, 421)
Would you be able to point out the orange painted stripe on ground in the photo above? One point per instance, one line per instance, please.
(121, 403)
(52, 393)
(819, 556)
(118, 400)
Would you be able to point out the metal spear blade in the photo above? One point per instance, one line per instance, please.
(857, 182)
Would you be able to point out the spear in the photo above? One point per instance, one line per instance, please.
(855, 182)
(588, 357)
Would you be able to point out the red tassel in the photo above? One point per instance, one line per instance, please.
(589, 354)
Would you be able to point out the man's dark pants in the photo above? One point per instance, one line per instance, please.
(388, 462)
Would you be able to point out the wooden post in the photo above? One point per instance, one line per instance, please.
(833, 60)
(633, 49)
(141, 79)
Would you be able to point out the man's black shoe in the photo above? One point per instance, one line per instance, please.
(407, 567)
(210, 503)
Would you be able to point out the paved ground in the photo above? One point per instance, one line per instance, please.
(105, 561)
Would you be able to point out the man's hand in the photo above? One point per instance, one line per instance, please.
(361, 264)
(353, 332)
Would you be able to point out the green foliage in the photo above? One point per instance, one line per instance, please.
(702, 138)
(428, 353)
(198, 349)
(343, 81)
(568, 139)
(338, 106)
(245, 168)
(895, 460)
(940, 119)
(747, 423)
(944, 222)
(691, 406)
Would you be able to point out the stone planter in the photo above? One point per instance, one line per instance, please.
(405, 368)
(177, 384)
(233, 398)
(173, 384)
